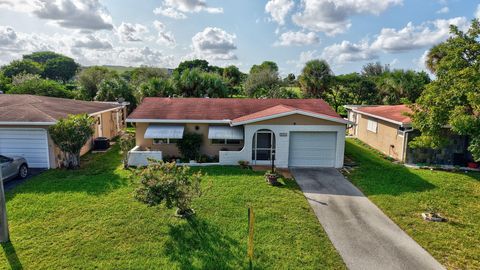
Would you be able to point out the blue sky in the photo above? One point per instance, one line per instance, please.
(347, 33)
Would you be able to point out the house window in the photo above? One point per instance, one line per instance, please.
(372, 126)
(226, 141)
(165, 141)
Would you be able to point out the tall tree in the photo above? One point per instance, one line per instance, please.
(232, 75)
(262, 83)
(42, 57)
(17, 67)
(400, 86)
(265, 65)
(453, 99)
(316, 78)
(196, 83)
(90, 78)
(61, 68)
(374, 69)
(34, 85)
(143, 74)
(114, 89)
(191, 64)
(155, 87)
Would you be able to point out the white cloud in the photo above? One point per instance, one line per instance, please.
(8, 36)
(414, 37)
(164, 37)
(92, 42)
(420, 62)
(278, 9)
(20, 5)
(85, 49)
(346, 51)
(333, 17)
(297, 39)
(215, 44)
(477, 12)
(443, 10)
(77, 14)
(169, 12)
(304, 57)
(176, 9)
(391, 40)
(129, 32)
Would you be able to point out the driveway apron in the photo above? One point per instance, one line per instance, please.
(363, 235)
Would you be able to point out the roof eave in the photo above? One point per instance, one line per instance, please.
(403, 124)
(185, 121)
(20, 123)
(315, 115)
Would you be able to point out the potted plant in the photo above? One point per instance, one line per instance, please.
(272, 178)
(243, 164)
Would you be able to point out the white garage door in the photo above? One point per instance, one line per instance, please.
(31, 144)
(312, 149)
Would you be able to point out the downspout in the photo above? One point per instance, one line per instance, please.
(405, 145)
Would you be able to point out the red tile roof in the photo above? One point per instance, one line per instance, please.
(264, 113)
(222, 108)
(392, 112)
(30, 108)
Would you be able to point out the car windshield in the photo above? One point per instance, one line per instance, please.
(3, 159)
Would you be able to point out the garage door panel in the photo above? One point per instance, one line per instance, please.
(312, 149)
(31, 144)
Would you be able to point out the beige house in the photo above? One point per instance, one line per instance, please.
(24, 122)
(388, 128)
(384, 128)
(295, 132)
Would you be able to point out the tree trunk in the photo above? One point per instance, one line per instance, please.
(72, 161)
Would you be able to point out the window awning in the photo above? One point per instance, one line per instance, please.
(164, 132)
(225, 132)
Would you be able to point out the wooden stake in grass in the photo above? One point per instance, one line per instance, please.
(251, 220)
(4, 234)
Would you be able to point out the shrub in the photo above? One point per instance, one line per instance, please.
(70, 135)
(189, 145)
(168, 183)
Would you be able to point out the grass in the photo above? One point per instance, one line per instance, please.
(89, 219)
(403, 194)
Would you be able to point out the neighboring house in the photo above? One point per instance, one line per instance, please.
(388, 128)
(300, 132)
(24, 122)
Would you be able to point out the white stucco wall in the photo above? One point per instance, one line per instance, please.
(282, 143)
(137, 157)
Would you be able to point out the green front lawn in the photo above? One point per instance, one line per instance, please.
(89, 219)
(403, 194)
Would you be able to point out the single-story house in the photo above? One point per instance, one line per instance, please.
(24, 122)
(388, 128)
(297, 132)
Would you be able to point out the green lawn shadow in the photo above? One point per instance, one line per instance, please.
(97, 175)
(196, 244)
(375, 175)
(11, 255)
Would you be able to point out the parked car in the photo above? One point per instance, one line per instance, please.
(13, 166)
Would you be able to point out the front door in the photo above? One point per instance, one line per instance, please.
(263, 145)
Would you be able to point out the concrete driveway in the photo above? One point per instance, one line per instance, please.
(363, 235)
(13, 183)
